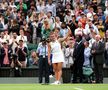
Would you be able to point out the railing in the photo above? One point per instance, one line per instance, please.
(33, 72)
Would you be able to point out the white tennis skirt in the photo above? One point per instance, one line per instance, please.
(57, 57)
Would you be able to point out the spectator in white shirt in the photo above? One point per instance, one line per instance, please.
(22, 37)
(51, 7)
(79, 30)
(90, 29)
(13, 42)
(12, 4)
(50, 17)
(40, 6)
(57, 23)
(68, 17)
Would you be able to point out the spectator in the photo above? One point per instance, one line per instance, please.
(100, 14)
(90, 29)
(14, 13)
(73, 25)
(77, 13)
(101, 28)
(22, 37)
(13, 42)
(4, 5)
(57, 32)
(42, 52)
(22, 6)
(15, 66)
(6, 36)
(40, 6)
(42, 16)
(51, 7)
(68, 17)
(36, 33)
(32, 17)
(69, 8)
(83, 19)
(79, 30)
(97, 50)
(50, 18)
(46, 29)
(68, 53)
(87, 63)
(106, 48)
(60, 11)
(94, 4)
(2, 24)
(2, 39)
(14, 27)
(33, 60)
(63, 30)
(21, 52)
(87, 54)
(57, 23)
(106, 23)
(27, 30)
(6, 52)
(12, 4)
(95, 19)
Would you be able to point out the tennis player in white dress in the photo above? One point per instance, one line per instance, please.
(54, 48)
(57, 53)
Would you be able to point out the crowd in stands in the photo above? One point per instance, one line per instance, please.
(27, 22)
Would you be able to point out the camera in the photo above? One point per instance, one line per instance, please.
(44, 41)
(15, 71)
(14, 56)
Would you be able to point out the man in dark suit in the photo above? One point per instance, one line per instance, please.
(78, 56)
(97, 52)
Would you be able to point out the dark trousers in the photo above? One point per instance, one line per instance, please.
(77, 72)
(43, 67)
(98, 70)
(51, 70)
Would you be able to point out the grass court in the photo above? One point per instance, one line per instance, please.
(54, 87)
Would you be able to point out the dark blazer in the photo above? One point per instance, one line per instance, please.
(98, 56)
(78, 53)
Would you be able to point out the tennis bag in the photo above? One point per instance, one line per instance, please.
(87, 71)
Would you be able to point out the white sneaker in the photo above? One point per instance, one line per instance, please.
(59, 82)
(50, 76)
(56, 83)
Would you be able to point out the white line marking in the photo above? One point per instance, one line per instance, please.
(78, 88)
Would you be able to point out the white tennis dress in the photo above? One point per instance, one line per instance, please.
(57, 53)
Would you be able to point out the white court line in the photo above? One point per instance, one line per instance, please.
(78, 88)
